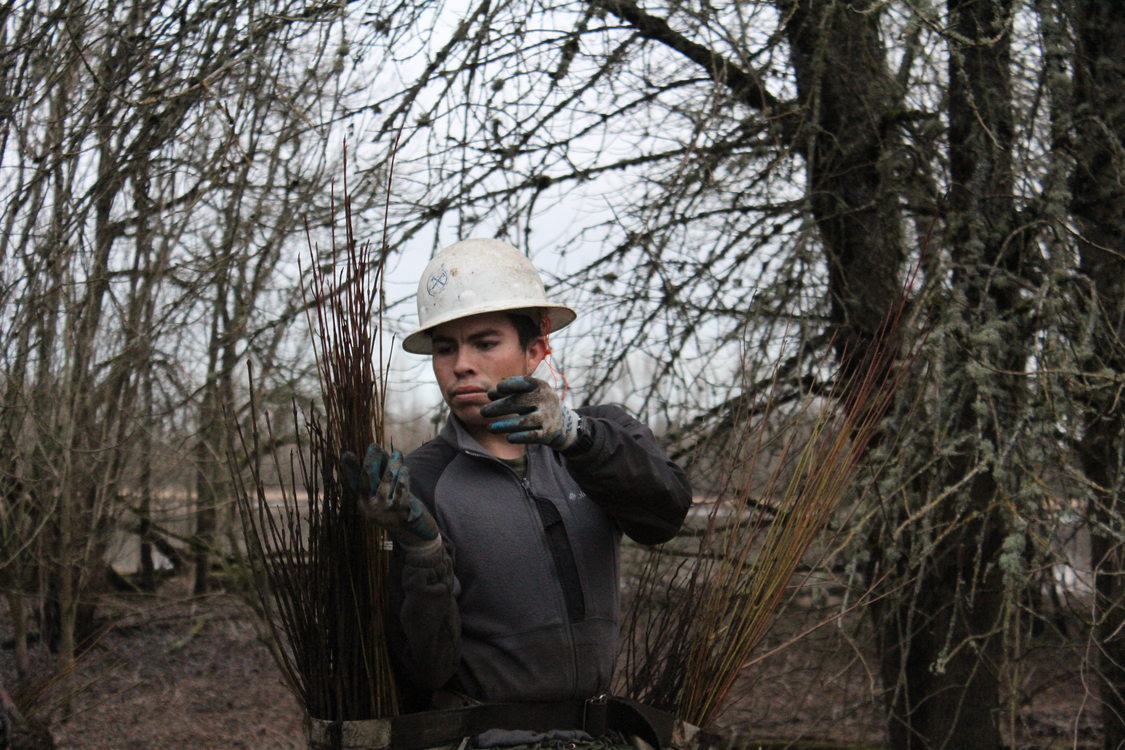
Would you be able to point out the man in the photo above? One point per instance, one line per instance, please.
(507, 525)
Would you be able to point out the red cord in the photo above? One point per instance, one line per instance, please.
(556, 373)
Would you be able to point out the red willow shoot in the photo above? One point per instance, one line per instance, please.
(321, 570)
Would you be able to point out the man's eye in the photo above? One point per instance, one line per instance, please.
(486, 344)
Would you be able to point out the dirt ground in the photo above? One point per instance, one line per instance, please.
(175, 673)
(180, 673)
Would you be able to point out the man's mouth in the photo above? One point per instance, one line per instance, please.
(466, 393)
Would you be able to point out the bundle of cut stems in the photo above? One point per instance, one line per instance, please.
(697, 619)
(321, 570)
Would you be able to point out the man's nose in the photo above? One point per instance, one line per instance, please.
(464, 363)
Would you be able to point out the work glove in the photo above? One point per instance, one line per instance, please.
(540, 417)
(383, 485)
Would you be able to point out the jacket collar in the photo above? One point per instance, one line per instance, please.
(456, 434)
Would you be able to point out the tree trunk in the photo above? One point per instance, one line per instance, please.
(941, 636)
(18, 613)
(1098, 204)
(850, 146)
(205, 498)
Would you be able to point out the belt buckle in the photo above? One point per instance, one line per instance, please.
(594, 721)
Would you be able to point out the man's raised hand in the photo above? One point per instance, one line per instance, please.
(539, 415)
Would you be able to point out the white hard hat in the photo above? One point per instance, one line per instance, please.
(479, 276)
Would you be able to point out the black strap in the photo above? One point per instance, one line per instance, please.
(635, 718)
(595, 716)
(432, 728)
(566, 567)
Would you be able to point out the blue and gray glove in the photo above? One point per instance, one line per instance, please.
(383, 485)
(540, 417)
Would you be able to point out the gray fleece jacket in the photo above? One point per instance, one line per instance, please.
(522, 602)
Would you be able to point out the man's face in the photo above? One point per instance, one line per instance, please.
(473, 354)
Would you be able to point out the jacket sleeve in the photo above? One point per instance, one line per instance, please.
(427, 641)
(621, 467)
(426, 621)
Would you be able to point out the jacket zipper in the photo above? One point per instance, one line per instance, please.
(560, 599)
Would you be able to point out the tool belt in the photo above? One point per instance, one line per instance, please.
(595, 716)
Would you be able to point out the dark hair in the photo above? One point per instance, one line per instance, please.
(526, 328)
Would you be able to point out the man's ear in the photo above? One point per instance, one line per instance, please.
(536, 353)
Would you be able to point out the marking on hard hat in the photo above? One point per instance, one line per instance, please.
(437, 283)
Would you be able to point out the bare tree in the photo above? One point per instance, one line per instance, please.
(772, 178)
(1098, 208)
(159, 162)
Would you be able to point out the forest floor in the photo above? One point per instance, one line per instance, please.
(176, 672)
